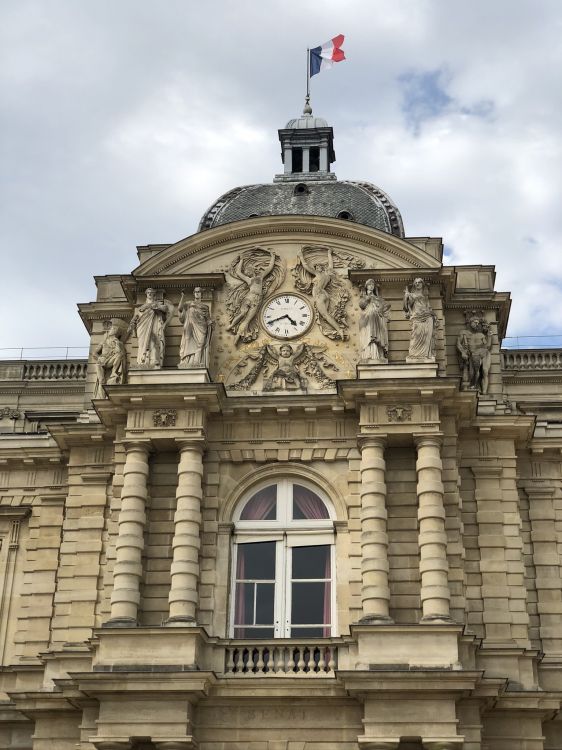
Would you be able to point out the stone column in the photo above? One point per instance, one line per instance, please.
(127, 573)
(187, 526)
(435, 593)
(375, 591)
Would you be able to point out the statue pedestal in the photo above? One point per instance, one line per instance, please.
(173, 376)
(398, 371)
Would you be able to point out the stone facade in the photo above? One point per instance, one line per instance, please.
(123, 488)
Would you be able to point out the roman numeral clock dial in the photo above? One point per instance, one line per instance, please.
(287, 316)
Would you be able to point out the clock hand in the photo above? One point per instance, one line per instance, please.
(281, 318)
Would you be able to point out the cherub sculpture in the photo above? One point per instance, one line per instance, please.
(285, 375)
(258, 272)
(474, 344)
(282, 368)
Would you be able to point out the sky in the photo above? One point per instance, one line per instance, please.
(121, 121)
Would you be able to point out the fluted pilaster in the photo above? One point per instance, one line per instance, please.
(435, 594)
(187, 527)
(375, 592)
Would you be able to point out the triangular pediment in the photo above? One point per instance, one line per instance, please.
(204, 252)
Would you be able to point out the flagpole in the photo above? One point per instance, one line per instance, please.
(307, 75)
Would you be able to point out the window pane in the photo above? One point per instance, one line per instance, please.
(308, 603)
(317, 632)
(256, 561)
(311, 562)
(264, 603)
(253, 633)
(306, 504)
(244, 606)
(262, 506)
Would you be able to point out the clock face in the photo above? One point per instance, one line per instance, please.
(286, 316)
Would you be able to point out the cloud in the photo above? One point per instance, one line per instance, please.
(123, 121)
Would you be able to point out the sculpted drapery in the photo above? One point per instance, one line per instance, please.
(197, 328)
(373, 324)
(418, 310)
(150, 322)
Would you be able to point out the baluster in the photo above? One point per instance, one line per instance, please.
(291, 662)
(331, 660)
(280, 663)
(230, 664)
(322, 660)
(311, 665)
(260, 662)
(250, 662)
(301, 662)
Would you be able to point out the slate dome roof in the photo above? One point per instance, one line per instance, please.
(306, 122)
(360, 202)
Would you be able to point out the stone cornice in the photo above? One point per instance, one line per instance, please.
(249, 231)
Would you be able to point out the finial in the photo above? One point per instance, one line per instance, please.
(307, 108)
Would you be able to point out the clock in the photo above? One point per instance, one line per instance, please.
(286, 316)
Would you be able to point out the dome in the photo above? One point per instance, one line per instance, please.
(306, 122)
(360, 202)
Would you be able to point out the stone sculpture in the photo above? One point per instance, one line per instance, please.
(373, 324)
(195, 318)
(110, 358)
(258, 271)
(149, 323)
(315, 274)
(474, 345)
(281, 368)
(418, 310)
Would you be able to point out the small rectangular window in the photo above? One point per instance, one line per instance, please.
(297, 160)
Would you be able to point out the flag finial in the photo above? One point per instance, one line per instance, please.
(307, 108)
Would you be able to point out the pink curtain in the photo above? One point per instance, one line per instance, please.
(308, 503)
(260, 505)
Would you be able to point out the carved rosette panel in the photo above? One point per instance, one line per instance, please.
(164, 418)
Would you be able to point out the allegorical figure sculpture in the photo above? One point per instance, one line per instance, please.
(285, 374)
(474, 344)
(195, 318)
(315, 274)
(149, 323)
(258, 272)
(111, 358)
(418, 310)
(373, 324)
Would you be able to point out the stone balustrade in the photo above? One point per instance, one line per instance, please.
(532, 359)
(65, 369)
(310, 659)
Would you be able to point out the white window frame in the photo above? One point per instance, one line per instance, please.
(286, 533)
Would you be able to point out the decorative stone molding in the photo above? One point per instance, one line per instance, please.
(7, 413)
(399, 413)
(164, 417)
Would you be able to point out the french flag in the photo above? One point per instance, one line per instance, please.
(323, 57)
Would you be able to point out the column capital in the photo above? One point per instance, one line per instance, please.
(194, 443)
(422, 439)
(372, 441)
(142, 444)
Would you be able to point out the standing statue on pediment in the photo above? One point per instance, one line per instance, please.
(149, 323)
(474, 346)
(424, 322)
(111, 358)
(316, 274)
(259, 271)
(373, 325)
(195, 318)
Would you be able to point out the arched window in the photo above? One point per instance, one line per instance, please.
(283, 564)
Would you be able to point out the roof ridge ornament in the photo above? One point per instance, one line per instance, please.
(307, 111)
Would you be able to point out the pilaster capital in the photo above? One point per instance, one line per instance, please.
(371, 441)
(486, 470)
(428, 439)
(538, 488)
